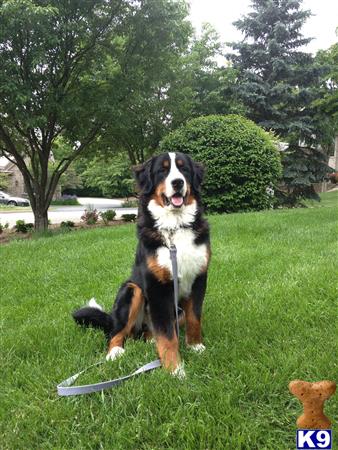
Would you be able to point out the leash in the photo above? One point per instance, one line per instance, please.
(173, 257)
(65, 388)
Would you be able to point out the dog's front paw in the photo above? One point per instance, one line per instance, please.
(114, 353)
(198, 348)
(179, 372)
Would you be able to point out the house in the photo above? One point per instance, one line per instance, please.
(16, 184)
(333, 160)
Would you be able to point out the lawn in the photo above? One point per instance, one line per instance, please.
(11, 209)
(269, 318)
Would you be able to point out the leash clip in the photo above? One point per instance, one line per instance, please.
(173, 249)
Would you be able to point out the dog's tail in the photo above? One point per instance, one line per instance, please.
(93, 315)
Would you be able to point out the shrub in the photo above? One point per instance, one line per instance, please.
(3, 227)
(133, 203)
(242, 161)
(90, 216)
(22, 227)
(67, 224)
(129, 217)
(66, 200)
(108, 216)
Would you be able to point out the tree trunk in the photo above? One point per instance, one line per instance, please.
(40, 219)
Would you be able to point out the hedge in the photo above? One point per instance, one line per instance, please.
(241, 159)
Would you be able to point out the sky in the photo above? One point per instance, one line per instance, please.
(221, 13)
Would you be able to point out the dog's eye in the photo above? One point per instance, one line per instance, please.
(184, 169)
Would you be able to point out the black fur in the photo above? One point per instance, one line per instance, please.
(110, 323)
(94, 317)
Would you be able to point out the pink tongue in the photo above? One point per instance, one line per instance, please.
(177, 201)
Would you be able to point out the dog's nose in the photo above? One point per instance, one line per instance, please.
(177, 183)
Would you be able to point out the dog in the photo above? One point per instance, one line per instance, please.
(170, 211)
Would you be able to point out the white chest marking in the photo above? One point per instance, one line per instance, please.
(191, 258)
(172, 219)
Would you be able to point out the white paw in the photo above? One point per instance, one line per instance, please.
(92, 303)
(114, 353)
(198, 348)
(179, 372)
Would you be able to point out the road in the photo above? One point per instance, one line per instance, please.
(58, 214)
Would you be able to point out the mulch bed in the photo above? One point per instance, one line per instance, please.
(10, 234)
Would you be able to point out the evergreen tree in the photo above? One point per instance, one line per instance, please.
(278, 83)
(326, 105)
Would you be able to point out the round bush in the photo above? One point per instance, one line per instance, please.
(241, 159)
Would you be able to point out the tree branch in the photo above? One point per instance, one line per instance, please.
(65, 163)
(11, 149)
(19, 162)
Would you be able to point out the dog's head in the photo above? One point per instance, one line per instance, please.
(172, 180)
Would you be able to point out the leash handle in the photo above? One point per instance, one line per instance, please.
(65, 388)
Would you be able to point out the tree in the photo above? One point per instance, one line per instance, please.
(204, 86)
(112, 176)
(326, 104)
(45, 50)
(243, 163)
(305, 165)
(160, 36)
(277, 80)
(67, 69)
(186, 84)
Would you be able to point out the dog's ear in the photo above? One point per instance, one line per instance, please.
(198, 175)
(143, 177)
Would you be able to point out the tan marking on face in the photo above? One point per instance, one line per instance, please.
(168, 352)
(161, 273)
(193, 324)
(166, 163)
(134, 310)
(180, 163)
(189, 199)
(158, 194)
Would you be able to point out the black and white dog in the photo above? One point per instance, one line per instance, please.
(169, 211)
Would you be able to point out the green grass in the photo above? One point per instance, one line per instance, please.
(269, 317)
(65, 202)
(329, 198)
(5, 208)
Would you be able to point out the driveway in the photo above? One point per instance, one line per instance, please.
(58, 214)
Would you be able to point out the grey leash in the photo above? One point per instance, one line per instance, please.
(65, 388)
(173, 257)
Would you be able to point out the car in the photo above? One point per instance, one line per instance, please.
(6, 199)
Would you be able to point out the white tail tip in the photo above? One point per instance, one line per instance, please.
(92, 303)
